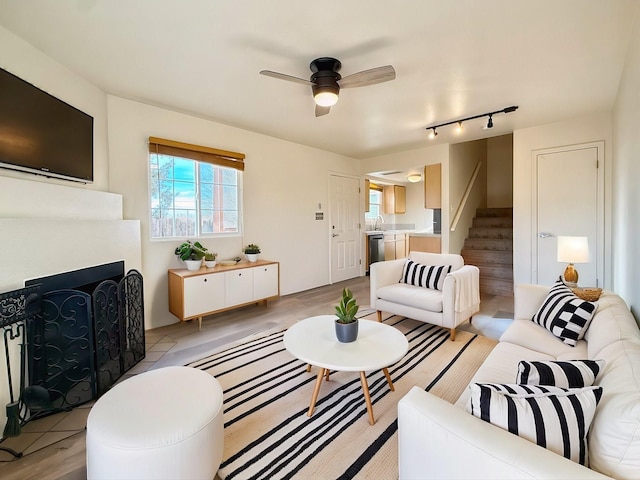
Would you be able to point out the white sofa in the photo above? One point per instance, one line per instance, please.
(458, 301)
(440, 440)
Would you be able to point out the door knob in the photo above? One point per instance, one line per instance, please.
(545, 235)
(334, 235)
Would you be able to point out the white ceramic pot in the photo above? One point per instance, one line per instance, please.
(193, 264)
(252, 257)
(210, 263)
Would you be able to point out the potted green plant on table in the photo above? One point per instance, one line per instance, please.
(347, 323)
(191, 253)
(252, 252)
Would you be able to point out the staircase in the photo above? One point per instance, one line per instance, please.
(490, 247)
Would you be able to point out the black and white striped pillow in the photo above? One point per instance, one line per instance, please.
(428, 276)
(552, 417)
(565, 374)
(564, 314)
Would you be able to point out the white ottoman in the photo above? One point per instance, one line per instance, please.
(161, 424)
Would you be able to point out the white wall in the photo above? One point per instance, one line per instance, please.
(586, 129)
(626, 172)
(283, 184)
(500, 171)
(462, 162)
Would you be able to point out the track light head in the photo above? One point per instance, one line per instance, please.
(459, 128)
(490, 122)
(433, 134)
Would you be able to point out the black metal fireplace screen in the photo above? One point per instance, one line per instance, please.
(73, 346)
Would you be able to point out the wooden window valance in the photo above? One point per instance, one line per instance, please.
(214, 156)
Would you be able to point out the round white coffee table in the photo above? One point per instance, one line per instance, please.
(313, 340)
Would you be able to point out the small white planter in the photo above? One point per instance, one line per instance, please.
(193, 264)
(252, 257)
(210, 263)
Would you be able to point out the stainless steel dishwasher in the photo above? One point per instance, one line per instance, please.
(376, 249)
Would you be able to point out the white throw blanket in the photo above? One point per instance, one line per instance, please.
(467, 290)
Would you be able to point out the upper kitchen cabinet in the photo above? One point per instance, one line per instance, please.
(432, 186)
(395, 199)
(367, 198)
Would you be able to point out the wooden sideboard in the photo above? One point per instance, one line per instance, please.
(194, 294)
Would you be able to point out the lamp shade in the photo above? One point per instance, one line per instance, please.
(573, 249)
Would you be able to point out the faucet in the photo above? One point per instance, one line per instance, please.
(375, 222)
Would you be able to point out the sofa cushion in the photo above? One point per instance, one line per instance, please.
(555, 418)
(411, 296)
(501, 366)
(564, 314)
(565, 374)
(426, 276)
(534, 337)
(614, 438)
(611, 324)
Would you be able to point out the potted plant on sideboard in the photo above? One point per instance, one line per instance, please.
(210, 259)
(252, 252)
(191, 253)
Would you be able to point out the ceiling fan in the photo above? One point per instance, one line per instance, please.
(326, 82)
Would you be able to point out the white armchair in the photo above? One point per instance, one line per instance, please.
(458, 301)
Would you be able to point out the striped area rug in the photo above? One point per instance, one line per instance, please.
(267, 391)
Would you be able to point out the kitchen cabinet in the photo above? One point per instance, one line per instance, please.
(395, 246)
(194, 294)
(395, 199)
(367, 186)
(425, 244)
(433, 186)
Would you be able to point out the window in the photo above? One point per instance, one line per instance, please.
(375, 202)
(194, 190)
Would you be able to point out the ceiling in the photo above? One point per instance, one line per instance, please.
(555, 59)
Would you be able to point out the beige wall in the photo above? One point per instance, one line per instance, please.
(592, 128)
(500, 171)
(462, 162)
(283, 184)
(626, 172)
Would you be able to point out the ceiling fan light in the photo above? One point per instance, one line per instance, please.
(414, 177)
(326, 99)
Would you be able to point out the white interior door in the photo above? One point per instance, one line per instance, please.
(569, 203)
(345, 227)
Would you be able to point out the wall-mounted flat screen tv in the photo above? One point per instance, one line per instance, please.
(43, 135)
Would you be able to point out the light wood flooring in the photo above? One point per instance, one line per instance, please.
(181, 343)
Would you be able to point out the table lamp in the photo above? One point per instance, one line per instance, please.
(572, 250)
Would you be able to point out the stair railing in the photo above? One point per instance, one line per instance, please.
(465, 197)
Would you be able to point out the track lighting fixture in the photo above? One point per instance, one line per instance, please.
(489, 123)
(433, 133)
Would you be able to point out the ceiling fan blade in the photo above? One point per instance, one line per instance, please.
(288, 78)
(322, 110)
(368, 77)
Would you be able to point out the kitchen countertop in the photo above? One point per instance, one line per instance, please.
(410, 232)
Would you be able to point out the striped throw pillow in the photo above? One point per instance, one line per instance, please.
(428, 276)
(566, 374)
(554, 418)
(564, 314)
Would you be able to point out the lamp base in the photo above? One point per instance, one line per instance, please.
(571, 276)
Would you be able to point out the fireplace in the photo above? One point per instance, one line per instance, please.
(78, 332)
